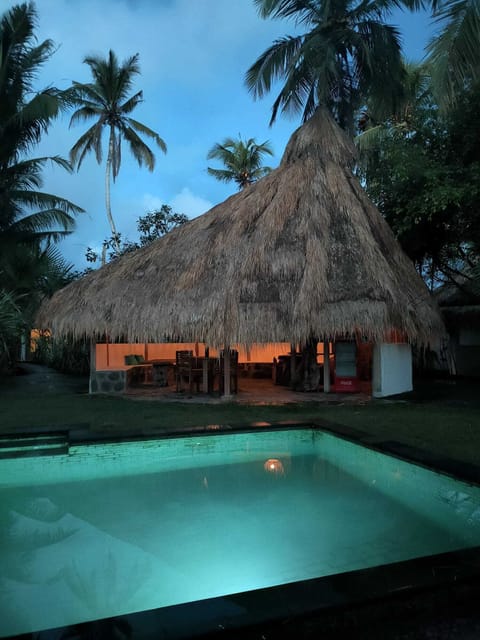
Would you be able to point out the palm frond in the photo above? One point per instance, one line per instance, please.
(272, 64)
(140, 151)
(454, 53)
(223, 175)
(141, 128)
(43, 221)
(89, 141)
(131, 103)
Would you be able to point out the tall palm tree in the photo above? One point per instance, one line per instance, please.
(347, 54)
(24, 116)
(107, 101)
(30, 220)
(242, 160)
(454, 53)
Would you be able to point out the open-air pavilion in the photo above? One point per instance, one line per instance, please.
(302, 257)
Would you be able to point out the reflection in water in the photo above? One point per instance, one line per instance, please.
(105, 585)
(272, 465)
(56, 569)
(27, 528)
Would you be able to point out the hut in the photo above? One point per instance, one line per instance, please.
(300, 256)
(459, 304)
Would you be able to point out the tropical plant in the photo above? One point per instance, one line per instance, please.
(24, 113)
(347, 55)
(454, 52)
(107, 101)
(373, 123)
(242, 160)
(151, 226)
(30, 220)
(11, 324)
(26, 214)
(157, 223)
(65, 354)
(423, 176)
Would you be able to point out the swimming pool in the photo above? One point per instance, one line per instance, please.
(114, 528)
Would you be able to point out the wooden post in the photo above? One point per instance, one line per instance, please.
(293, 363)
(226, 371)
(326, 367)
(93, 362)
(205, 375)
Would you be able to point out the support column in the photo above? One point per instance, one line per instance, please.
(293, 363)
(93, 364)
(205, 365)
(326, 367)
(226, 371)
(23, 347)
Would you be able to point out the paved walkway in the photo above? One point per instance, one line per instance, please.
(37, 378)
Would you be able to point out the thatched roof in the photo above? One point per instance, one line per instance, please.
(301, 253)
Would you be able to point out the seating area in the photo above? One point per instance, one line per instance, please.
(191, 368)
(190, 373)
(193, 373)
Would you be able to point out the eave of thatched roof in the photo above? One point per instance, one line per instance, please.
(301, 253)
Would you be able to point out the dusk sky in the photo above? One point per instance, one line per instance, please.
(193, 58)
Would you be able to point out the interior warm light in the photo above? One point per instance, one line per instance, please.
(272, 465)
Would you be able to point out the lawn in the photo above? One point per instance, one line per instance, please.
(442, 419)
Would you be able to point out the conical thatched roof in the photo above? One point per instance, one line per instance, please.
(301, 253)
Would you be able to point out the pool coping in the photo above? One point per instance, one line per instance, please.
(327, 601)
(78, 434)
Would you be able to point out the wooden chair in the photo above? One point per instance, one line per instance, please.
(181, 357)
(233, 372)
(187, 369)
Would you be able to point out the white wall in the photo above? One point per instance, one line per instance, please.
(392, 369)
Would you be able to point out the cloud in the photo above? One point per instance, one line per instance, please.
(188, 203)
(152, 203)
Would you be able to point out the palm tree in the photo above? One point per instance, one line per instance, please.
(242, 160)
(30, 220)
(375, 128)
(347, 55)
(24, 116)
(454, 54)
(107, 100)
(24, 113)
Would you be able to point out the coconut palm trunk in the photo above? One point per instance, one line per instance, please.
(108, 206)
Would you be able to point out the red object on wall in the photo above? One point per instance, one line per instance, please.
(345, 385)
(345, 378)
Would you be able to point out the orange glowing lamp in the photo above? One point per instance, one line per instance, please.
(273, 465)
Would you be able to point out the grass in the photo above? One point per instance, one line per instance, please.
(432, 420)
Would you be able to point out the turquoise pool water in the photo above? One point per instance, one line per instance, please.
(117, 528)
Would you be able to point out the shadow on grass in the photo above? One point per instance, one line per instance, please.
(454, 392)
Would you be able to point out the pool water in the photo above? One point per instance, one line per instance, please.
(117, 528)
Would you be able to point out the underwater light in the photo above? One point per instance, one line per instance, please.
(273, 465)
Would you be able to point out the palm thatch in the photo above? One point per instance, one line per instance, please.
(301, 253)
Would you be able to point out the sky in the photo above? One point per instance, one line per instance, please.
(193, 56)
